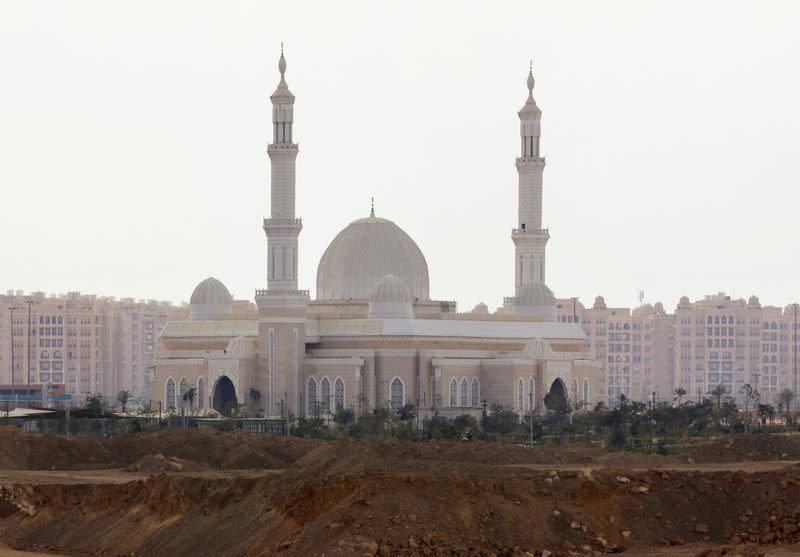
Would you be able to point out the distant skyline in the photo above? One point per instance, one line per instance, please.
(133, 139)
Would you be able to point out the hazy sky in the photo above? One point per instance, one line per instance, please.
(133, 137)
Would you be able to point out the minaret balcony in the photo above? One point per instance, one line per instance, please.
(283, 146)
(283, 225)
(536, 161)
(530, 232)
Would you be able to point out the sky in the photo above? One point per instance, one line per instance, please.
(133, 142)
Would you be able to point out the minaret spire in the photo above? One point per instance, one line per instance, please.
(372, 208)
(283, 227)
(529, 237)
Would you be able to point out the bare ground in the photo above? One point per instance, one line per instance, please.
(305, 498)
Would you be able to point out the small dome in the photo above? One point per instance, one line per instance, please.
(241, 347)
(537, 347)
(642, 310)
(599, 303)
(659, 308)
(209, 300)
(363, 253)
(390, 299)
(684, 302)
(480, 309)
(754, 302)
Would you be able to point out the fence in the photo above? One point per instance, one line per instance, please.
(110, 427)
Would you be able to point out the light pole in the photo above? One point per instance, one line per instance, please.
(794, 357)
(29, 302)
(530, 411)
(13, 386)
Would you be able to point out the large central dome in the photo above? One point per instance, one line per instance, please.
(365, 252)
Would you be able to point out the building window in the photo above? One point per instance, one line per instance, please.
(397, 392)
(476, 392)
(520, 396)
(201, 393)
(325, 396)
(452, 401)
(338, 388)
(531, 394)
(311, 396)
(184, 388)
(586, 392)
(463, 392)
(169, 396)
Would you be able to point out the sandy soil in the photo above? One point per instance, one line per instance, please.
(6, 551)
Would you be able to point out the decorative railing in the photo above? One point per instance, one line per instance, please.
(282, 292)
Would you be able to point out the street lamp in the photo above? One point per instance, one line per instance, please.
(28, 394)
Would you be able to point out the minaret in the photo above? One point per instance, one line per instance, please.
(282, 227)
(529, 237)
(281, 307)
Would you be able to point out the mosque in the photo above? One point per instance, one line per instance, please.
(373, 337)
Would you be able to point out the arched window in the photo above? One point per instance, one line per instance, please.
(41, 320)
(713, 356)
(57, 355)
(710, 320)
(463, 392)
(586, 392)
(611, 359)
(626, 326)
(169, 394)
(311, 396)
(45, 355)
(730, 319)
(531, 394)
(724, 320)
(765, 325)
(338, 390)
(716, 320)
(397, 393)
(520, 396)
(773, 325)
(60, 320)
(325, 396)
(476, 392)
(47, 320)
(201, 393)
(184, 388)
(726, 355)
(575, 394)
(773, 360)
(765, 360)
(452, 401)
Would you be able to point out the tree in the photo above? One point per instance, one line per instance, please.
(94, 402)
(123, 397)
(750, 395)
(765, 412)
(189, 396)
(500, 421)
(785, 398)
(718, 392)
(678, 395)
(255, 396)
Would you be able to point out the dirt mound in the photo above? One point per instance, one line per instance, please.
(152, 464)
(748, 448)
(214, 448)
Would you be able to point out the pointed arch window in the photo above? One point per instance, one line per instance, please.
(201, 393)
(586, 392)
(338, 389)
(531, 394)
(311, 395)
(475, 392)
(325, 396)
(463, 392)
(169, 395)
(520, 396)
(397, 393)
(184, 388)
(452, 400)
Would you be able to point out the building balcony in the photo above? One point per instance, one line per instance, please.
(543, 232)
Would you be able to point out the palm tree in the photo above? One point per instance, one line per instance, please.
(123, 397)
(189, 396)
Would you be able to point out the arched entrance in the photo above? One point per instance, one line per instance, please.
(556, 398)
(224, 396)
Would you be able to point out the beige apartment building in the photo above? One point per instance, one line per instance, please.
(89, 344)
(646, 352)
